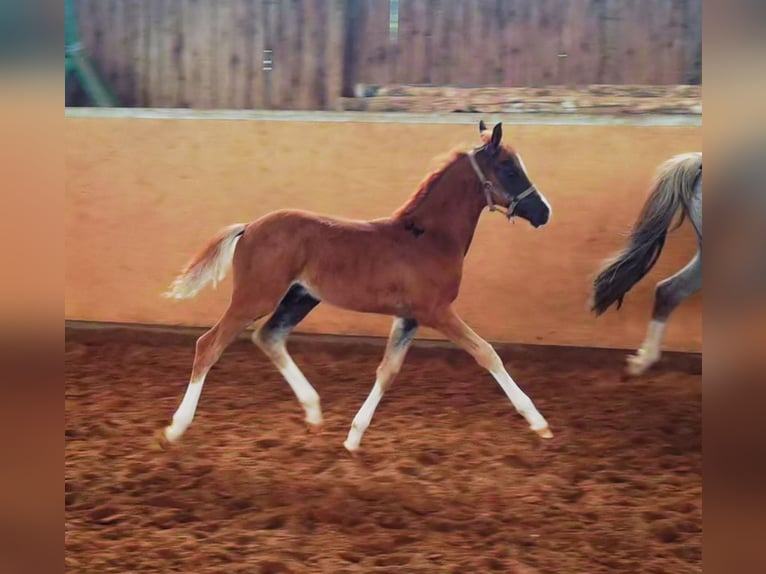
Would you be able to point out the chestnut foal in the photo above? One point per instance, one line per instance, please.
(408, 265)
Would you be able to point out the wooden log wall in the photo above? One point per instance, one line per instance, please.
(306, 54)
(222, 54)
(513, 43)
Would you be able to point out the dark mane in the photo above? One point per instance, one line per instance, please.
(428, 182)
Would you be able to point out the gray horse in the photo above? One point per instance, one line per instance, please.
(678, 185)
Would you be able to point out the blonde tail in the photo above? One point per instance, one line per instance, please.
(210, 265)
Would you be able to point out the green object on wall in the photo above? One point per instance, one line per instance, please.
(77, 62)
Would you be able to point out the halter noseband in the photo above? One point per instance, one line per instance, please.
(489, 188)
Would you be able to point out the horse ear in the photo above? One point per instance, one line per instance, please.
(482, 126)
(497, 135)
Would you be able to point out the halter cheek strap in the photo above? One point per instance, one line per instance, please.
(489, 188)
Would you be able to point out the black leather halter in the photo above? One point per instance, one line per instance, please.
(490, 188)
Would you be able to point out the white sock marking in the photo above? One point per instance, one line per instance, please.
(521, 402)
(649, 353)
(184, 414)
(654, 335)
(388, 369)
(306, 394)
(364, 417)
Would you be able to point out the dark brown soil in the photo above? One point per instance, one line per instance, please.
(449, 480)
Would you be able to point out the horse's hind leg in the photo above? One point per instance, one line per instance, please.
(399, 341)
(668, 294)
(271, 338)
(209, 348)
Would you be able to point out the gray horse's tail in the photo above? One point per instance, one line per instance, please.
(672, 189)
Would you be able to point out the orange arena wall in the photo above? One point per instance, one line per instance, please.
(143, 194)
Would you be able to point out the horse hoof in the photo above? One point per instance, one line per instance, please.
(314, 428)
(159, 441)
(314, 419)
(636, 366)
(544, 432)
(352, 449)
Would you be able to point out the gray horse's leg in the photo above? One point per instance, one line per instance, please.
(668, 294)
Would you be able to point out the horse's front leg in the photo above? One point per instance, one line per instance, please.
(402, 332)
(461, 334)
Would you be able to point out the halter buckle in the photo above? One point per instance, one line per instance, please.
(488, 189)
